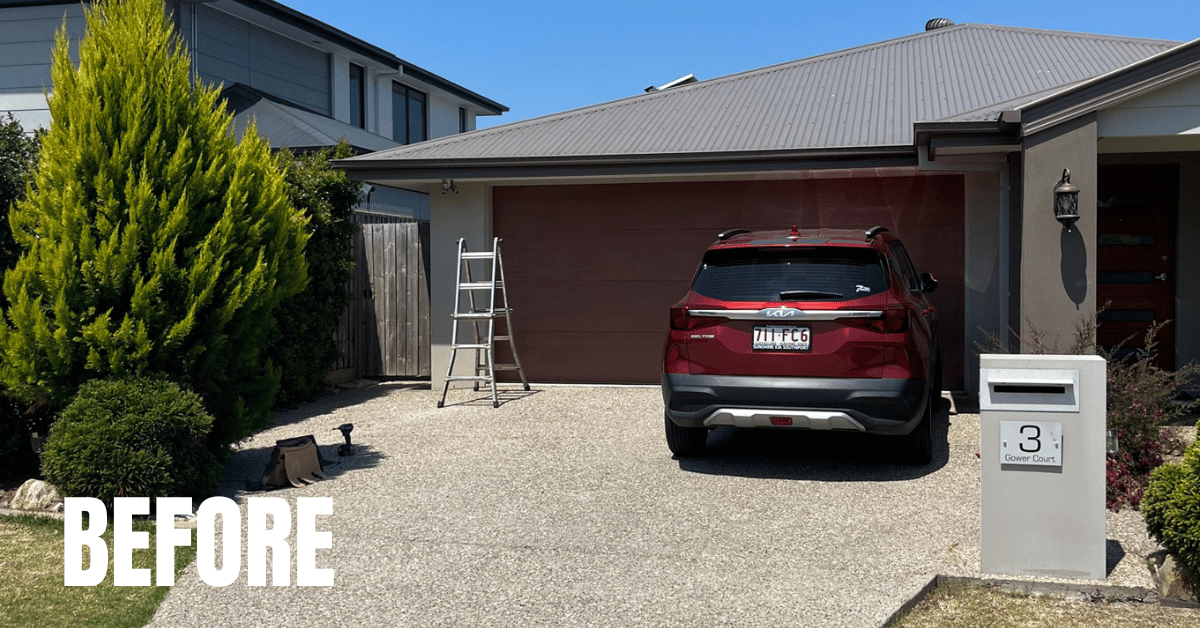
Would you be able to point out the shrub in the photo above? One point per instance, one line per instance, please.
(20, 462)
(18, 157)
(153, 242)
(1171, 507)
(307, 321)
(1141, 399)
(135, 437)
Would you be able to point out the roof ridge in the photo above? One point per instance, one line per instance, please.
(495, 134)
(1062, 33)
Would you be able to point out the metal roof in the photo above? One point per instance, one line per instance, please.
(301, 130)
(868, 96)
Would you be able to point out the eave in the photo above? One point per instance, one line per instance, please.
(590, 166)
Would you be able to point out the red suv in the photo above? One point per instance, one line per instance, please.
(827, 329)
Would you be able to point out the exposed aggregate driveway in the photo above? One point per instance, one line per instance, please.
(564, 508)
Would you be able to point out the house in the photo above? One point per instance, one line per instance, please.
(955, 137)
(306, 83)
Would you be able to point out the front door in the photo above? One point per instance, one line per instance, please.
(1135, 257)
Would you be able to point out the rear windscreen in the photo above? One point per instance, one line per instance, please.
(794, 274)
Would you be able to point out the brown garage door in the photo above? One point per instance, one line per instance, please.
(593, 269)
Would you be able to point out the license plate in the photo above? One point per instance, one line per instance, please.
(782, 338)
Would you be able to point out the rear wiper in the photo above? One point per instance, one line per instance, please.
(800, 295)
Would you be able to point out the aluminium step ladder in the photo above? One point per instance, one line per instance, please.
(482, 315)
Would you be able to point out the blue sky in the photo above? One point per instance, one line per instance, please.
(540, 58)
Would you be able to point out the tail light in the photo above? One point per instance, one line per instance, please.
(893, 320)
(682, 320)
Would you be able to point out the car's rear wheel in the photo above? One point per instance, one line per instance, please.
(918, 445)
(685, 441)
(937, 376)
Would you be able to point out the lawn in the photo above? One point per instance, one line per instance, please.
(31, 579)
(964, 605)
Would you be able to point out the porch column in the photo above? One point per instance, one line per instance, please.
(1057, 265)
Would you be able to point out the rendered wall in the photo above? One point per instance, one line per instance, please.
(467, 215)
(1057, 265)
(983, 284)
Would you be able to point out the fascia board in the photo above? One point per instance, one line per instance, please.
(1112, 88)
(628, 165)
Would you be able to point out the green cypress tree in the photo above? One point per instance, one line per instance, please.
(153, 241)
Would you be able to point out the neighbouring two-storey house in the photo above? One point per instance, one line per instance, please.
(306, 83)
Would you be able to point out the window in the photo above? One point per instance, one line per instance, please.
(793, 274)
(358, 98)
(462, 120)
(905, 267)
(409, 114)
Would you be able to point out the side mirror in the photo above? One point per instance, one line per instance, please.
(929, 283)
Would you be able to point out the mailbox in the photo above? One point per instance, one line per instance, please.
(1042, 451)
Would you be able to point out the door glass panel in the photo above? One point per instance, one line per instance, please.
(1126, 316)
(1103, 277)
(1125, 240)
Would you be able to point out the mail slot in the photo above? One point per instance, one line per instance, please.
(1030, 389)
(1042, 450)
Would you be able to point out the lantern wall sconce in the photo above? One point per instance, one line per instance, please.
(1066, 200)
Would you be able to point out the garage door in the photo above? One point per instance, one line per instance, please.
(592, 270)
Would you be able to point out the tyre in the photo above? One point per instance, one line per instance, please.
(685, 442)
(937, 376)
(918, 444)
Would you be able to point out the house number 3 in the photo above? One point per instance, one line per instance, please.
(1035, 438)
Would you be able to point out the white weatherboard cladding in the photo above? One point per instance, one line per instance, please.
(1172, 110)
(26, 43)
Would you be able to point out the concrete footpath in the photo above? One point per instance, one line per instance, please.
(564, 508)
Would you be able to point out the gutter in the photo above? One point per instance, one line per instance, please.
(624, 165)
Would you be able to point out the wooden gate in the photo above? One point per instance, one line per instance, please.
(385, 331)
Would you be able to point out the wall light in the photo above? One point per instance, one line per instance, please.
(1066, 200)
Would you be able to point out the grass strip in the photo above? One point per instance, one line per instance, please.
(31, 579)
(966, 605)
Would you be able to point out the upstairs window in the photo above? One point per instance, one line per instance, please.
(358, 98)
(462, 120)
(410, 117)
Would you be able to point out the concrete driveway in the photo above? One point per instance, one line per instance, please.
(564, 508)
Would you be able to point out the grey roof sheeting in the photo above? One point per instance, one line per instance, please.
(286, 124)
(868, 96)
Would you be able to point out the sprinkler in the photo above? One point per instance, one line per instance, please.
(347, 449)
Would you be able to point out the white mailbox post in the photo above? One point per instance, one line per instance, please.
(1042, 449)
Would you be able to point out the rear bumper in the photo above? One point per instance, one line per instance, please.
(879, 406)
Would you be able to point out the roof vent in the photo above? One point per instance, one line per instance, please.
(938, 22)
(683, 80)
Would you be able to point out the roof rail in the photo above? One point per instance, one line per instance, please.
(874, 231)
(725, 235)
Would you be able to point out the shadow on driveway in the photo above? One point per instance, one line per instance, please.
(483, 396)
(816, 456)
(343, 399)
